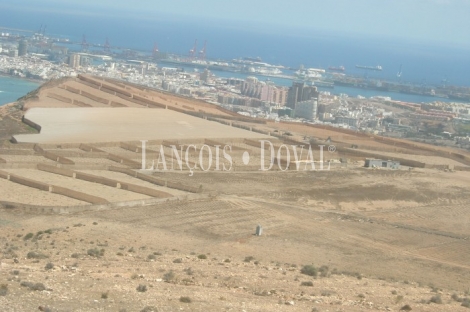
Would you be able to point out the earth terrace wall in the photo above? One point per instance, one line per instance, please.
(117, 104)
(57, 158)
(90, 84)
(24, 181)
(138, 175)
(157, 181)
(127, 162)
(81, 104)
(73, 90)
(143, 101)
(95, 98)
(241, 126)
(77, 195)
(90, 81)
(105, 181)
(461, 168)
(31, 123)
(2, 161)
(99, 207)
(56, 170)
(115, 90)
(59, 98)
(89, 148)
(357, 153)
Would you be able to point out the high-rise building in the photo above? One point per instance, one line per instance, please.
(306, 109)
(22, 48)
(205, 76)
(299, 92)
(13, 53)
(264, 91)
(74, 60)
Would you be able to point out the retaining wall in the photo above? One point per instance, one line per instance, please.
(81, 104)
(78, 195)
(57, 158)
(24, 181)
(130, 147)
(95, 98)
(89, 148)
(99, 207)
(117, 104)
(31, 123)
(59, 98)
(89, 80)
(73, 90)
(90, 84)
(125, 161)
(56, 170)
(145, 190)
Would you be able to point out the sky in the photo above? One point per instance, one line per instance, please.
(438, 21)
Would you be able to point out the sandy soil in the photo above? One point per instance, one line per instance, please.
(85, 125)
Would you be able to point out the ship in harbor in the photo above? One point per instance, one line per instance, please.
(337, 69)
(377, 68)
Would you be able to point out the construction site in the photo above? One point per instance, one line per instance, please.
(82, 185)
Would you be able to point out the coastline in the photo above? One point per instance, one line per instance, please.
(22, 86)
(37, 81)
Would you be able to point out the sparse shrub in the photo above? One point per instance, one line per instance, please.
(95, 252)
(104, 295)
(436, 299)
(141, 288)
(306, 284)
(120, 254)
(309, 270)
(394, 292)
(156, 253)
(249, 259)
(3, 290)
(169, 276)
(135, 276)
(15, 272)
(28, 236)
(202, 257)
(398, 299)
(362, 296)
(326, 293)
(178, 260)
(466, 302)
(406, 307)
(189, 271)
(49, 231)
(324, 271)
(455, 297)
(151, 257)
(49, 266)
(36, 255)
(131, 249)
(185, 299)
(95, 223)
(33, 286)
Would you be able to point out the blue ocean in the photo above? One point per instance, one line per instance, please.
(420, 62)
(13, 88)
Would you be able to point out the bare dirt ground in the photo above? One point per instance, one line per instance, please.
(378, 240)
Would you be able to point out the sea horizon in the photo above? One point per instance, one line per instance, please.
(425, 63)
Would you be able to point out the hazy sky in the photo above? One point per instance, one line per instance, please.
(445, 21)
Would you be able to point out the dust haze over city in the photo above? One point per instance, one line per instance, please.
(246, 156)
